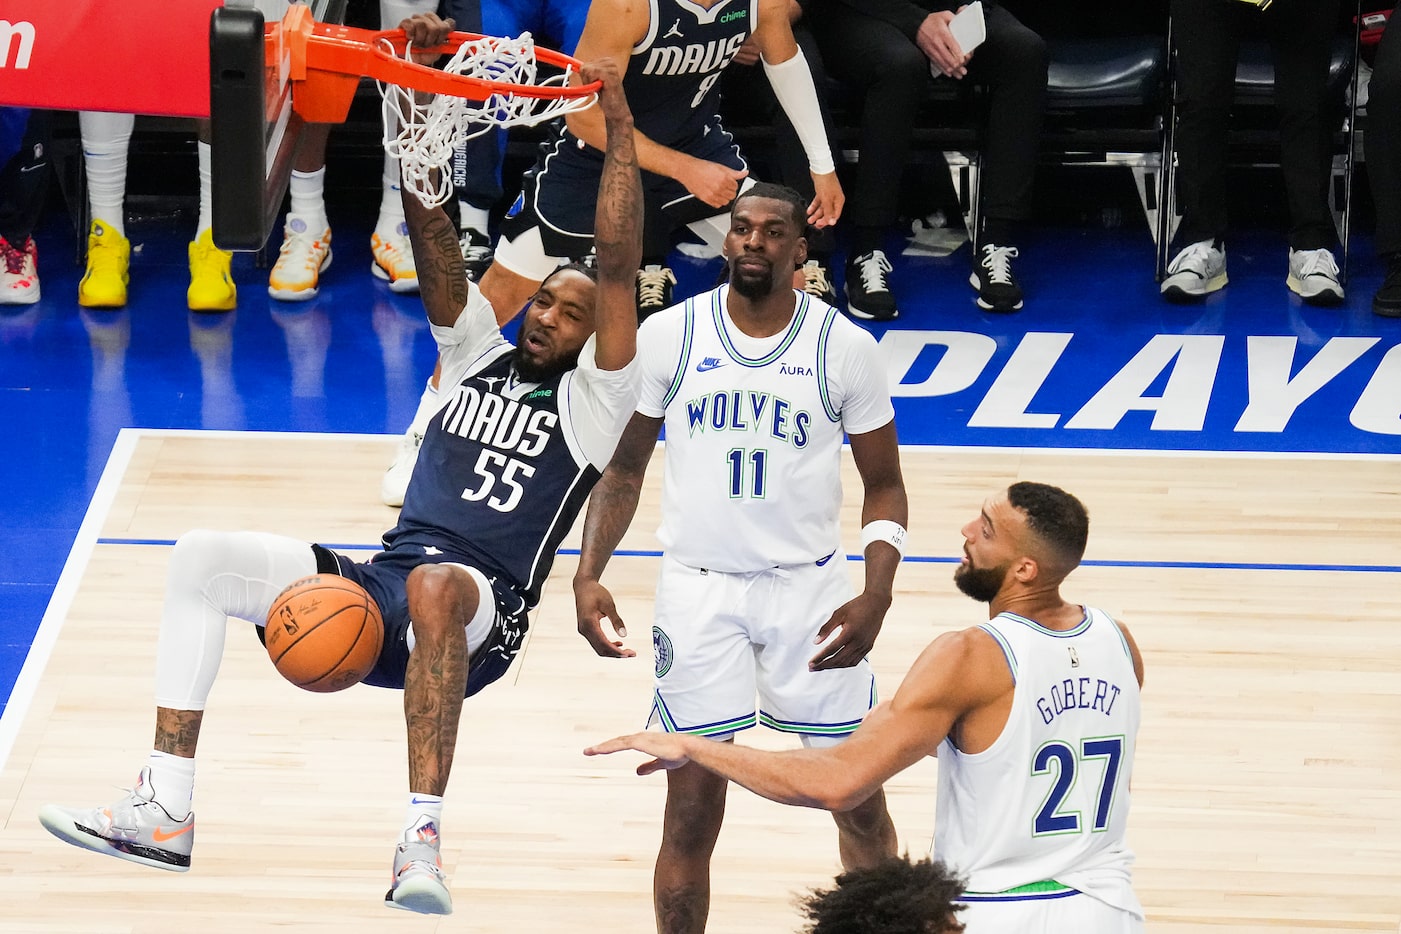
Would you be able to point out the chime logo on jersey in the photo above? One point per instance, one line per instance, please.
(504, 424)
(693, 59)
(749, 411)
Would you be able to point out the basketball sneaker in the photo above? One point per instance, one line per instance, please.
(19, 273)
(418, 883)
(868, 292)
(1195, 272)
(393, 259)
(136, 828)
(1313, 276)
(817, 281)
(477, 253)
(305, 254)
(654, 288)
(395, 482)
(211, 283)
(109, 256)
(992, 277)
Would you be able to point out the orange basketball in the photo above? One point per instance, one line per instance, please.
(324, 633)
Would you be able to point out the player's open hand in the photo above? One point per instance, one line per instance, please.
(593, 604)
(668, 750)
(712, 182)
(856, 624)
(827, 206)
(426, 31)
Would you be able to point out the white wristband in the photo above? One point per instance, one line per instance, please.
(884, 530)
(792, 85)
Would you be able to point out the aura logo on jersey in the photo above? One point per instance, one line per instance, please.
(749, 411)
(697, 58)
(16, 44)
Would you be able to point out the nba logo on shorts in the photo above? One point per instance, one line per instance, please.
(661, 651)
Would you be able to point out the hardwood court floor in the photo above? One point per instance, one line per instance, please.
(1264, 592)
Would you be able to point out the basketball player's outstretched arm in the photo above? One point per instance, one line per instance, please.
(859, 621)
(613, 27)
(617, 223)
(958, 673)
(612, 505)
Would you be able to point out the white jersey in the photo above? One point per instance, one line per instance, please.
(1048, 801)
(754, 429)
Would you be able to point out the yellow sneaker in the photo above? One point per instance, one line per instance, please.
(211, 286)
(109, 256)
(393, 259)
(304, 256)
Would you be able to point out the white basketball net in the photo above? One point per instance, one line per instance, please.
(423, 138)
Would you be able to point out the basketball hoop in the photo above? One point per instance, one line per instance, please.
(489, 81)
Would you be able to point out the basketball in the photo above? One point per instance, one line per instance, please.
(324, 633)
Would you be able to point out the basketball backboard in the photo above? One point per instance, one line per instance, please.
(255, 132)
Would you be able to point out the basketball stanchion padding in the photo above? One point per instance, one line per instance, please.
(324, 633)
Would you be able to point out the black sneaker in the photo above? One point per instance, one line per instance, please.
(868, 292)
(817, 281)
(1387, 301)
(654, 285)
(477, 253)
(992, 277)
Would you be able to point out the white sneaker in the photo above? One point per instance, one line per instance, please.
(1313, 276)
(304, 256)
(393, 259)
(417, 882)
(19, 273)
(395, 482)
(1197, 271)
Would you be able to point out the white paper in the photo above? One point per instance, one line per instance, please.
(969, 30)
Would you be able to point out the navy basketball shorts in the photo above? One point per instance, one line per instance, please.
(494, 635)
(732, 650)
(552, 220)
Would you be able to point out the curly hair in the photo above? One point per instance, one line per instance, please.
(897, 896)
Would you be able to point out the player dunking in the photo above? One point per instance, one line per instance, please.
(1034, 716)
(505, 470)
(756, 384)
(674, 52)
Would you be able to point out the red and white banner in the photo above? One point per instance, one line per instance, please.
(127, 56)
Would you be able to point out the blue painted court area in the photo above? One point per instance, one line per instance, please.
(1095, 360)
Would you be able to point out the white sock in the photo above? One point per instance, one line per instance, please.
(428, 404)
(423, 806)
(309, 198)
(105, 140)
(391, 207)
(172, 782)
(473, 218)
(212, 576)
(206, 189)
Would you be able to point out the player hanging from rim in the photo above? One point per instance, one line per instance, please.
(484, 514)
(674, 52)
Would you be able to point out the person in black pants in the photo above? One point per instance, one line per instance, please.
(1207, 38)
(888, 48)
(1383, 144)
(24, 173)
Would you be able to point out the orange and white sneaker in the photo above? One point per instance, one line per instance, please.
(417, 882)
(393, 259)
(19, 272)
(305, 254)
(109, 258)
(136, 828)
(211, 284)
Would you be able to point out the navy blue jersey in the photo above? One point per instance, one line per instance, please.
(673, 77)
(496, 484)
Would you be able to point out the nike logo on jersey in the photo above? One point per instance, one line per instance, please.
(675, 30)
(708, 364)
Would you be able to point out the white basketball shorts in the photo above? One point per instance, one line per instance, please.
(721, 640)
(1057, 914)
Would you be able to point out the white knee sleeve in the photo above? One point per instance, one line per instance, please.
(212, 576)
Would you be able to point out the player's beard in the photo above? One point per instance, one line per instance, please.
(751, 284)
(982, 584)
(531, 371)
